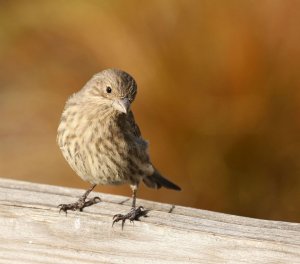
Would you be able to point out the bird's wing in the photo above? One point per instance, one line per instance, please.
(138, 145)
(153, 180)
(133, 126)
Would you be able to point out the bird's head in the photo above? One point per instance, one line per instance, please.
(112, 88)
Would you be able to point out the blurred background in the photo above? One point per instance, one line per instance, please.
(218, 97)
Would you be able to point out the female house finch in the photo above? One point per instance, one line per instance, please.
(102, 143)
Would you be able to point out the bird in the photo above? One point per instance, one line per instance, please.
(102, 143)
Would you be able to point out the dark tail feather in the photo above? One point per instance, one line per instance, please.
(157, 181)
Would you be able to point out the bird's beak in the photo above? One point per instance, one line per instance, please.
(122, 105)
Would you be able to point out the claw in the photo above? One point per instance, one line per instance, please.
(79, 205)
(66, 207)
(90, 202)
(133, 215)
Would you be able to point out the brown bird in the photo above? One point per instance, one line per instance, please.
(102, 143)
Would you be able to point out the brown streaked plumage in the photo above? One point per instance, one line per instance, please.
(102, 143)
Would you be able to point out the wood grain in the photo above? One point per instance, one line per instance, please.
(32, 231)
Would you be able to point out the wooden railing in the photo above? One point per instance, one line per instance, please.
(32, 231)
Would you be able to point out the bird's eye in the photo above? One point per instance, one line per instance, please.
(108, 89)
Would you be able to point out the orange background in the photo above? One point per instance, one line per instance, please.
(218, 94)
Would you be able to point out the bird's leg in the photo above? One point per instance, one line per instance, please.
(81, 203)
(135, 212)
(134, 191)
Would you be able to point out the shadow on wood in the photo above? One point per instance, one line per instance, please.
(32, 231)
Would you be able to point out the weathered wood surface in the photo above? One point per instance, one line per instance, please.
(32, 231)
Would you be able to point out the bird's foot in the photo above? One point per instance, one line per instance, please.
(133, 215)
(79, 205)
